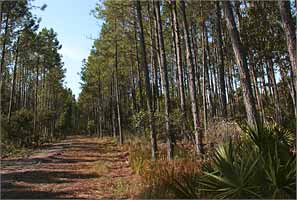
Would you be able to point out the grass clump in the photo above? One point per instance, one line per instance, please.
(162, 178)
(171, 179)
(100, 168)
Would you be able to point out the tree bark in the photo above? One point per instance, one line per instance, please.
(13, 79)
(256, 88)
(192, 86)
(121, 137)
(165, 82)
(241, 61)
(223, 98)
(209, 73)
(138, 68)
(288, 26)
(4, 50)
(179, 64)
(205, 78)
(147, 83)
(36, 101)
(278, 115)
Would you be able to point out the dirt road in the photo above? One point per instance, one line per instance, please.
(79, 167)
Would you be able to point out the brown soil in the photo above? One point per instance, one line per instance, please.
(79, 167)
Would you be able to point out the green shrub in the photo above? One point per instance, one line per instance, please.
(19, 129)
(261, 166)
(91, 126)
(138, 154)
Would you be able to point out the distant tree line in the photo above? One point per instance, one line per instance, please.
(36, 106)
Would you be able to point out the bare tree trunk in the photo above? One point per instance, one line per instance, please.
(288, 26)
(230, 91)
(256, 88)
(209, 73)
(147, 83)
(240, 56)
(179, 64)
(121, 137)
(278, 115)
(138, 68)
(4, 41)
(100, 102)
(192, 86)
(1, 14)
(112, 107)
(205, 78)
(36, 101)
(165, 82)
(134, 104)
(13, 79)
(221, 73)
(154, 61)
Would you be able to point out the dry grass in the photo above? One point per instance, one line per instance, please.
(100, 168)
(217, 132)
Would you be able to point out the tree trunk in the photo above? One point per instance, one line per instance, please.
(154, 61)
(288, 26)
(165, 82)
(121, 138)
(205, 78)
(179, 64)
(192, 86)
(134, 104)
(11, 101)
(147, 83)
(112, 107)
(36, 101)
(256, 88)
(209, 73)
(138, 68)
(278, 115)
(221, 73)
(3, 51)
(240, 56)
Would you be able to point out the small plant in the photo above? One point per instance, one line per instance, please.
(139, 153)
(119, 187)
(100, 168)
(91, 126)
(261, 166)
(174, 179)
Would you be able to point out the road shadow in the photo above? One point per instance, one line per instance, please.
(48, 174)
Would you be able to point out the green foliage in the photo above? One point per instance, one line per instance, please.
(233, 174)
(91, 126)
(20, 127)
(138, 155)
(33, 81)
(140, 119)
(261, 166)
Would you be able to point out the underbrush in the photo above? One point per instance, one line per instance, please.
(171, 179)
(162, 178)
(11, 150)
(247, 163)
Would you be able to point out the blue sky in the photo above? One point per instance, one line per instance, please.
(76, 29)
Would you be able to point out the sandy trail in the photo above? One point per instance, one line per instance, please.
(79, 167)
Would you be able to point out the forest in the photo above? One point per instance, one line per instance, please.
(196, 99)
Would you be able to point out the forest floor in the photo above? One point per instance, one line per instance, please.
(80, 167)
